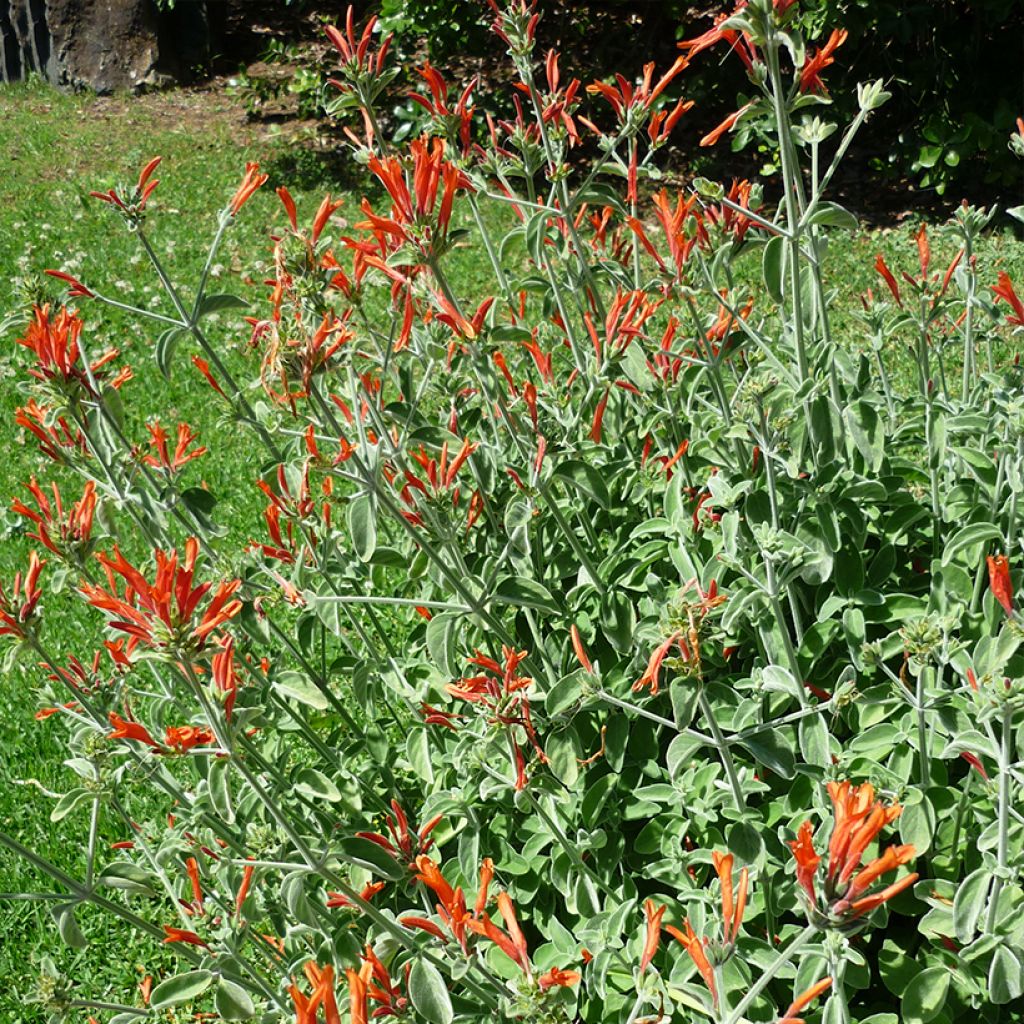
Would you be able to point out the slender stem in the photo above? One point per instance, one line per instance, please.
(571, 850)
(78, 890)
(780, 962)
(923, 760)
(651, 716)
(94, 824)
(93, 1004)
(1003, 849)
(722, 745)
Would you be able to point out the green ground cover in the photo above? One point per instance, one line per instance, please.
(53, 150)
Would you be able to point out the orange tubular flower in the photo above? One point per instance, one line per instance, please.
(243, 889)
(810, 73)
(183, 935)
(807, 859)
(76, 290)
(192, 868)
(1004, 290)
(457, 122)
(882, 267)
(204, 368)
(56, 437)
(579, 650)
(858, 819)
(652, 936)
(452, 906)
(165, 613)
(358, 995)
(509, 945)
(183, 738)
(1000, 582)
(804, 1000)
(16, 611)
(694, 946)
(558, 976)
(687, 641)
(402, 845)
(416, 214)
(714, 35)
(225, 677)
(163, 459)
(322, 980)
(732, 909)
(251, 182)
(499, 691)
(338, 899)
(355, 52)
(716, 133)
(136, 202)
(381, 989)
(61, 534)
(53, 340)
(127, 730)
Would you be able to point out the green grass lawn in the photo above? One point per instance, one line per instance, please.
(55, 148)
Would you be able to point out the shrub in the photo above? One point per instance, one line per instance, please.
(615, 646)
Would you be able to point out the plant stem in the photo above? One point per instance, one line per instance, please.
(781, 961)
(1003, 849)
(722, 746)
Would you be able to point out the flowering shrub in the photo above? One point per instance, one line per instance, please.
(615, 646)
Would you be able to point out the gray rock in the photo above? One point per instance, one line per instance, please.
(103, 45)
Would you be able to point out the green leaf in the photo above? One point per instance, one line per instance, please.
(64, 915)
(369, 855)
(522, 592)
(618, 619)
(417, 750)
(969, 536)
(199, 499)
(315, 785)
(925, 996)
(429, 994)
(773, 750)
(536, 232)
(970, 902)
(832, 215)
(165, 347)
(866, 431)
(896, 967)
(772, 263)
(295, 686)
(564, 693)
(586, 478)
(180, 989)
(1005, 977)
(233, 1002)
(362, 525)
(814, 741)
(219, 782)
(441, 635)
(128, 878)
(216, 303)
(68, 802)
(835, 1011)
(708, 189)
(917, 824)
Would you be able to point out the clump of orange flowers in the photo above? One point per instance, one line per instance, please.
(844, 898)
